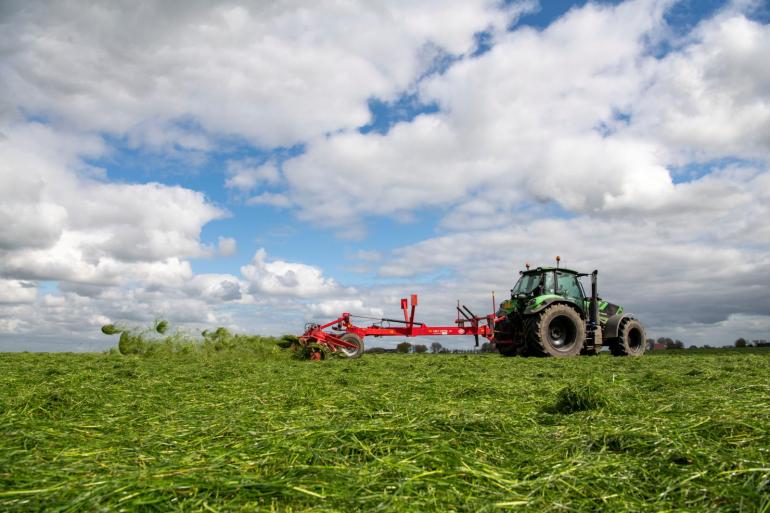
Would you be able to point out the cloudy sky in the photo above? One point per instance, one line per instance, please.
(260, 165)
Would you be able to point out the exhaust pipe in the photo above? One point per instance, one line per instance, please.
(593, 314)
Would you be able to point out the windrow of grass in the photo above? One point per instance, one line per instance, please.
(233, 431)
(159, 341)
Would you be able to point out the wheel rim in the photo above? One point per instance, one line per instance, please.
(562, 333)
(347, 351)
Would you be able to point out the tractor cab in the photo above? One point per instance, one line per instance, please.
(549, 281)
(539, 287)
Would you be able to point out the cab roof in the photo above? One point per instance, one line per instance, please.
(539, 270)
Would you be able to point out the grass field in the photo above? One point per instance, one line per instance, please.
(241, 431)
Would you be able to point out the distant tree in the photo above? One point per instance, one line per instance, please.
(671, 343)
(741, 342)
(692, 347)
(436, 347)
(404, 347)
(420, 348)
(650, 344)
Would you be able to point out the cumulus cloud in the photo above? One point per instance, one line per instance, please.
(712, 98)
(215, 288)
(286, 278)
(60, 224)
(580, 114)
(334, 307)
(227, 246)
(258, 70)
(15, 291)
(245, 175)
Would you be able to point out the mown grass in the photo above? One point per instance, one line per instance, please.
(242, 431)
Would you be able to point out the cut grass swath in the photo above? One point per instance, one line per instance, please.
(241, 429)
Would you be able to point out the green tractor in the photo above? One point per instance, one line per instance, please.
(549, 314)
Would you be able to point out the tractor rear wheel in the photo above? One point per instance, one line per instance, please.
(631, 340)
(556, 331)
(507, 350)
(352, 338)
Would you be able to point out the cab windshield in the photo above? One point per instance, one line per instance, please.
(526, 284)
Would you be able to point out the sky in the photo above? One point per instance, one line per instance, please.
(261, 165)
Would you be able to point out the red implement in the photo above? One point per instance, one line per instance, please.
(348, 338)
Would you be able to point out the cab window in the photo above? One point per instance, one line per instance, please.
(569, 286)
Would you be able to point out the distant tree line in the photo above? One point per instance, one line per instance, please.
(742, 342)
(669, 343)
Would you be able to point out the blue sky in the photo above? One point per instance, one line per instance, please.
(221, 165)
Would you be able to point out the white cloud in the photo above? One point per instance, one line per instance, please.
(580, 114)
(215, 288)
(367, 255)
(245, 176)
(522, 117)
(15, 291)
(227, 246)
(274, 73)
(334, 307)
(269, 198)
(286, 278)
(712, 98)
(60, 224)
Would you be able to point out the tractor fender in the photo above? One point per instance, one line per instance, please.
(537, 308)
(612, 327)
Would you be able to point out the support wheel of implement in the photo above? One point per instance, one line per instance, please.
(631, 339)
(507, 349)
(352, 338)
(557, 331)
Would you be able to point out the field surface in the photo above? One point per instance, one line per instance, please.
(237, 431)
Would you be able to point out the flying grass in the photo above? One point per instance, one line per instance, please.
(157, 341)
(241, 430)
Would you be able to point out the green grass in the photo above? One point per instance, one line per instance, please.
(259, 431)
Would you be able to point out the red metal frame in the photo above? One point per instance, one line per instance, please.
(468, 325)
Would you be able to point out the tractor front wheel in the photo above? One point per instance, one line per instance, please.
(556, 331)
(631, 340)
(352, 338)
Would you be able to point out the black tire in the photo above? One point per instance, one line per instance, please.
(507, 350)
(556, 331)
(352, 338)
(503, 331)
(631, 339)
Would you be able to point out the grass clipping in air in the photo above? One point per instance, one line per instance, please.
(247, 430)
(157, 340)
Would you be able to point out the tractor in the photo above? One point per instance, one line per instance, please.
(548, 314)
